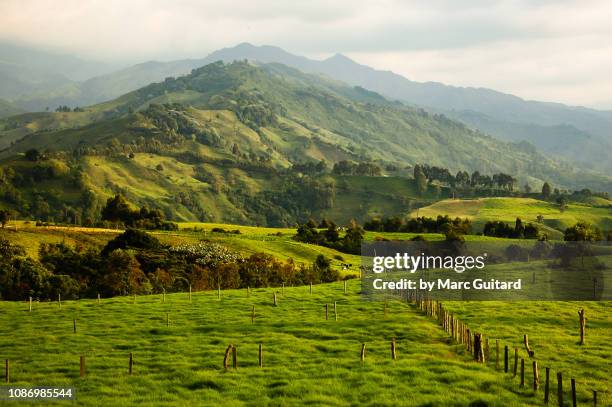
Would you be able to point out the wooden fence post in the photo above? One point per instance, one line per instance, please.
(260, 356)
(536, 376)
(283, 290)
(486, 352)
(235, 357)
(560, 389)
(335, 311)
(530, 351)
(594, 398)
(326, 307)
(547, 385)
(226, 357)
(30, 304)
(275, 298)
(393, 350)
(219, 292)
(164, 296)
(74, 325)
(253, 315)
(522, 372)
(582, 325)
(311, 288)
(167, 319)
(573, 392)
(131, 363)
(59, 300)
(497, 354)
(98, 298)
(470, 342)
(344, 286)
(479, 353)
(505, 358)
(82, 366)
(7, 371)
(189, 293)
(363, 353)
(515, 361)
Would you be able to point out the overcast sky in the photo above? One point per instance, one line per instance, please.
(552, 50)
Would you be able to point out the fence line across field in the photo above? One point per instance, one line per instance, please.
(475, 343)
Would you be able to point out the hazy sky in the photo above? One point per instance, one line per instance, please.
(553, 50)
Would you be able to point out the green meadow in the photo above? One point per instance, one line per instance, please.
(179, 346)
(507, 209)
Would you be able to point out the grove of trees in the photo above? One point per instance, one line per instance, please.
(137, 263)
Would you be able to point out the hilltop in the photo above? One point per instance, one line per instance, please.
(553, 221)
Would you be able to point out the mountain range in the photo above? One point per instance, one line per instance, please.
(35, 81)
(239, 142)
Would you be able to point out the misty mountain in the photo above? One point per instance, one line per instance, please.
(8, 109)
(579, 135)
(34, 80)
(573, 133)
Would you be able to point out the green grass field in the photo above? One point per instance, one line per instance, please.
(553, 331)
(307, 359)
(528, 209)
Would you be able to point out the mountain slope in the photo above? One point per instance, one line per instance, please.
(354, 121)
(34, 79)
(585, 134)
(8, 109)
(219, 145)
(511, 114)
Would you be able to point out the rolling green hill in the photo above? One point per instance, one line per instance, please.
(219, 144)
(528, 209)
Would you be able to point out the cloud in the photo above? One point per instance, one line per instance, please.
(540, 49)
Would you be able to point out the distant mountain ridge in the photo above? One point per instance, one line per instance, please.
(578, 135)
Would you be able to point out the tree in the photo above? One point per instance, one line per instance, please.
(117, 209)
(462, 178)
(351, 243)
(132, 238)
(5, 216)
(519, 229)
(420, 180)
(562, 201)
(546, 190)
(582, 232)
(32, 155)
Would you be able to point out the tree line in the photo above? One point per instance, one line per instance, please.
(423, 224)
(137, 263)
(328, 234)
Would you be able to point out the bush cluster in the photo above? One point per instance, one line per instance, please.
(441, 224)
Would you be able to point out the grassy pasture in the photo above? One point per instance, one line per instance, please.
(307, 359)
(553, 331)
(507, 209)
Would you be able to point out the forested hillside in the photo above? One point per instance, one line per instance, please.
(240, 143)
